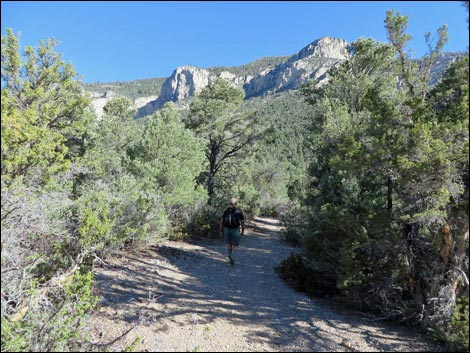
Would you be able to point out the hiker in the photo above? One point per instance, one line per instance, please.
(230, 223)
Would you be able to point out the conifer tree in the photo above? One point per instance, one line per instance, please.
(214, 116)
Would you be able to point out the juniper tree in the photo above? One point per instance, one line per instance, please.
(45, 117)
(214, 116)
(388, 190)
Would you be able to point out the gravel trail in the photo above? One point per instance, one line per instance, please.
(186, 297)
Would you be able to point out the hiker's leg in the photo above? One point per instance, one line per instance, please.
(236, 237)
(228, 241)
(235, 242)
(228, 233)
(234, 252)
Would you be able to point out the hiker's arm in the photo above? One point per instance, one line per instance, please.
(243, 227)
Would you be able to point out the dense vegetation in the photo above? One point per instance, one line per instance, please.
(251, 69)
(74, 188)
(132, 89)
(384, 217)
(370, 176)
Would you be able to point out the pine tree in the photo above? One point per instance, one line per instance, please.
(214, 117)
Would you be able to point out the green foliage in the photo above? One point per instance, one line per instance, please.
(110, 139)
(295, 226)
(45, 119)
(214, 116)
(171, 157)
(258, 174)
(73, 189)
(253, 68)
(152, 86)
(344, 196)
(214, 106)
(112, 206)
(21, 152)
(44, 113)
(133, 346)
(278, 158)
(204, 221)
(118, 109)
(415, 78)
(55, 323)
(295, 272)
(455, 332)
(140, 179)
(292, 270)
(132, 89)
(387, 186)
(458, 337)
(96, 225)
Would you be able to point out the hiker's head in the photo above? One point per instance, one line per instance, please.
(233, 201)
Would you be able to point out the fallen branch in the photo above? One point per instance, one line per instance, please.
(58, 281)
(464, 275)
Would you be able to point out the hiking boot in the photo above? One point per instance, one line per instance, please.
(231, 259)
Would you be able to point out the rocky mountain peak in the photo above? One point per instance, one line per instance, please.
(185, 81)
(326, 47)
(310, 63)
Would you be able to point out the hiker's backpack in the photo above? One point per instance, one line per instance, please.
(231, 219)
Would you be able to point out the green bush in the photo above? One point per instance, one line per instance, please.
(454, 333)
(205, 222)
(295, 225)
(299, 275)
(458, 338)
(55, 321)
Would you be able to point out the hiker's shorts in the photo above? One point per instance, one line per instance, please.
(232, 236)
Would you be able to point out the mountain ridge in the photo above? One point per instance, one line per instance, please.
(262, 77)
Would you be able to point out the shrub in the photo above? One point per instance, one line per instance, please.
(53, 317)
(454, 333)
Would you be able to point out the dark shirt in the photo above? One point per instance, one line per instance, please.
(238, 214)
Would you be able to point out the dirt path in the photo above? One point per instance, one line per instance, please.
(186, 297)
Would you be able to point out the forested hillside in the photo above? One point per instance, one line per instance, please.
(132, 89)
(370, 177)
(253, 68)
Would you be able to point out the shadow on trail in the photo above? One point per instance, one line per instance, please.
(249, 295)
(268, 221)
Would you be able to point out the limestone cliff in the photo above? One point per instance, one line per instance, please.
(312, 62)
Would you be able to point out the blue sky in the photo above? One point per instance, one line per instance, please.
(128, 40)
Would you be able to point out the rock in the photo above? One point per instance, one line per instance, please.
(141, 101)
(98, 105)
(100, 100)
(109, 95)
(185, 81)
(312, 62)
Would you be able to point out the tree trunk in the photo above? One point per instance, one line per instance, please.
(389, 196)
(451, 272)
(214, 149)
(210, 188)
